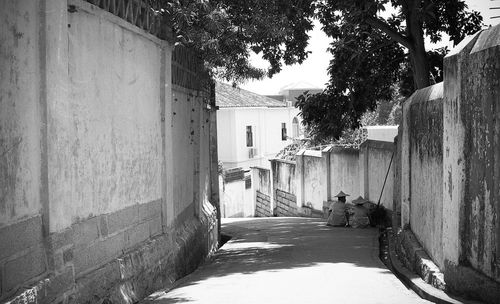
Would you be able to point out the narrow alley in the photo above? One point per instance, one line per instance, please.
(291, 260)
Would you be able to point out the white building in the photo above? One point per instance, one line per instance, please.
(252, 128)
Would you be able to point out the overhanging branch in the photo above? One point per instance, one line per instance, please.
(386, 28)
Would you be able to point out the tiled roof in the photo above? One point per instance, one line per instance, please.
(228, 97)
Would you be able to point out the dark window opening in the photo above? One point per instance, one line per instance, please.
(248, 182)
(249, 136)
(283, 131)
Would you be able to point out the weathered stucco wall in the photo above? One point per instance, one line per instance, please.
(344, 171)
(236, 200)
(20, 122)
(105, 141)
(22, 196)
(284, 188)
(261, 188)
(425, 120)
(315, 179)
(107, 190)
(396, 191)
(375, 162)
(283, 175)
(449, 189)
(471, 187)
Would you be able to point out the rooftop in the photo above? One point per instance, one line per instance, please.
(300, 85)
(227, 96)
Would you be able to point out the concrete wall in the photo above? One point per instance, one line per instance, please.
(105, 139)
(284, 187)
(107, 157)
(20, 123)
(315, 179)
(375, 164)
(423, 117)
(471, 141)
(344, 172)
(266, 128)
(317, 175)
(449, 147)
(237, 200)
(23, 201)
(261, 187)
(283, 175)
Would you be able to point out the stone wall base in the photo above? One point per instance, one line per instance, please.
(414, 257)
(457, 279)
(151, 265)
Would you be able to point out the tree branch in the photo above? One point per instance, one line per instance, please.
(386, 28)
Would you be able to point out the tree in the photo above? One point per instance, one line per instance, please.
(372, 54)
(226, 31)
(413, 20)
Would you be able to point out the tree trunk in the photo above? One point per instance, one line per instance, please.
(418, 56)
(420, 67)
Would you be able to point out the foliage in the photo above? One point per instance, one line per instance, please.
(289, 151)
(373, 56)
(226, 31)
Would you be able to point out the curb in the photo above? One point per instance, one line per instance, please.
(413, 281)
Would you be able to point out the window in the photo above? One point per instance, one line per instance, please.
(248, 182)
(283, 131)
(249, 136)
(295, 128)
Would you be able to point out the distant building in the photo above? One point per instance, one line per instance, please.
(294, 90)
(252, 128)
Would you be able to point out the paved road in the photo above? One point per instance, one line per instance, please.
(292, 260)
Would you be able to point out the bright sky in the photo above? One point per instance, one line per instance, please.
(313, 70)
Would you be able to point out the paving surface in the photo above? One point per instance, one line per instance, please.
(291, 260)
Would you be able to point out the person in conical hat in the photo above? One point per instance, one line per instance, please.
(342, 195)
(359, 217)
(337, 217)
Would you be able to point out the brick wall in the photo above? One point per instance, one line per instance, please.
(118, 256)
(262, 205)
(286, 203)
(22, 255)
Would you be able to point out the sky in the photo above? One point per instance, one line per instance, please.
(313, 70)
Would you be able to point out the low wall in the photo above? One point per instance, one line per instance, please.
(261, 185)
(283, 175)
(344, 172)
(375, 165)
(309, 185)
(313, 179)
(236, 199)
(284, 187)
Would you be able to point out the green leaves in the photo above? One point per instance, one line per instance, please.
(226, 31)
(371, 56)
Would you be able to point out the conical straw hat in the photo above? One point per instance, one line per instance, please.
(360, 200)
(342, 194)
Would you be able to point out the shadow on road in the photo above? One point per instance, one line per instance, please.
(275, 244)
